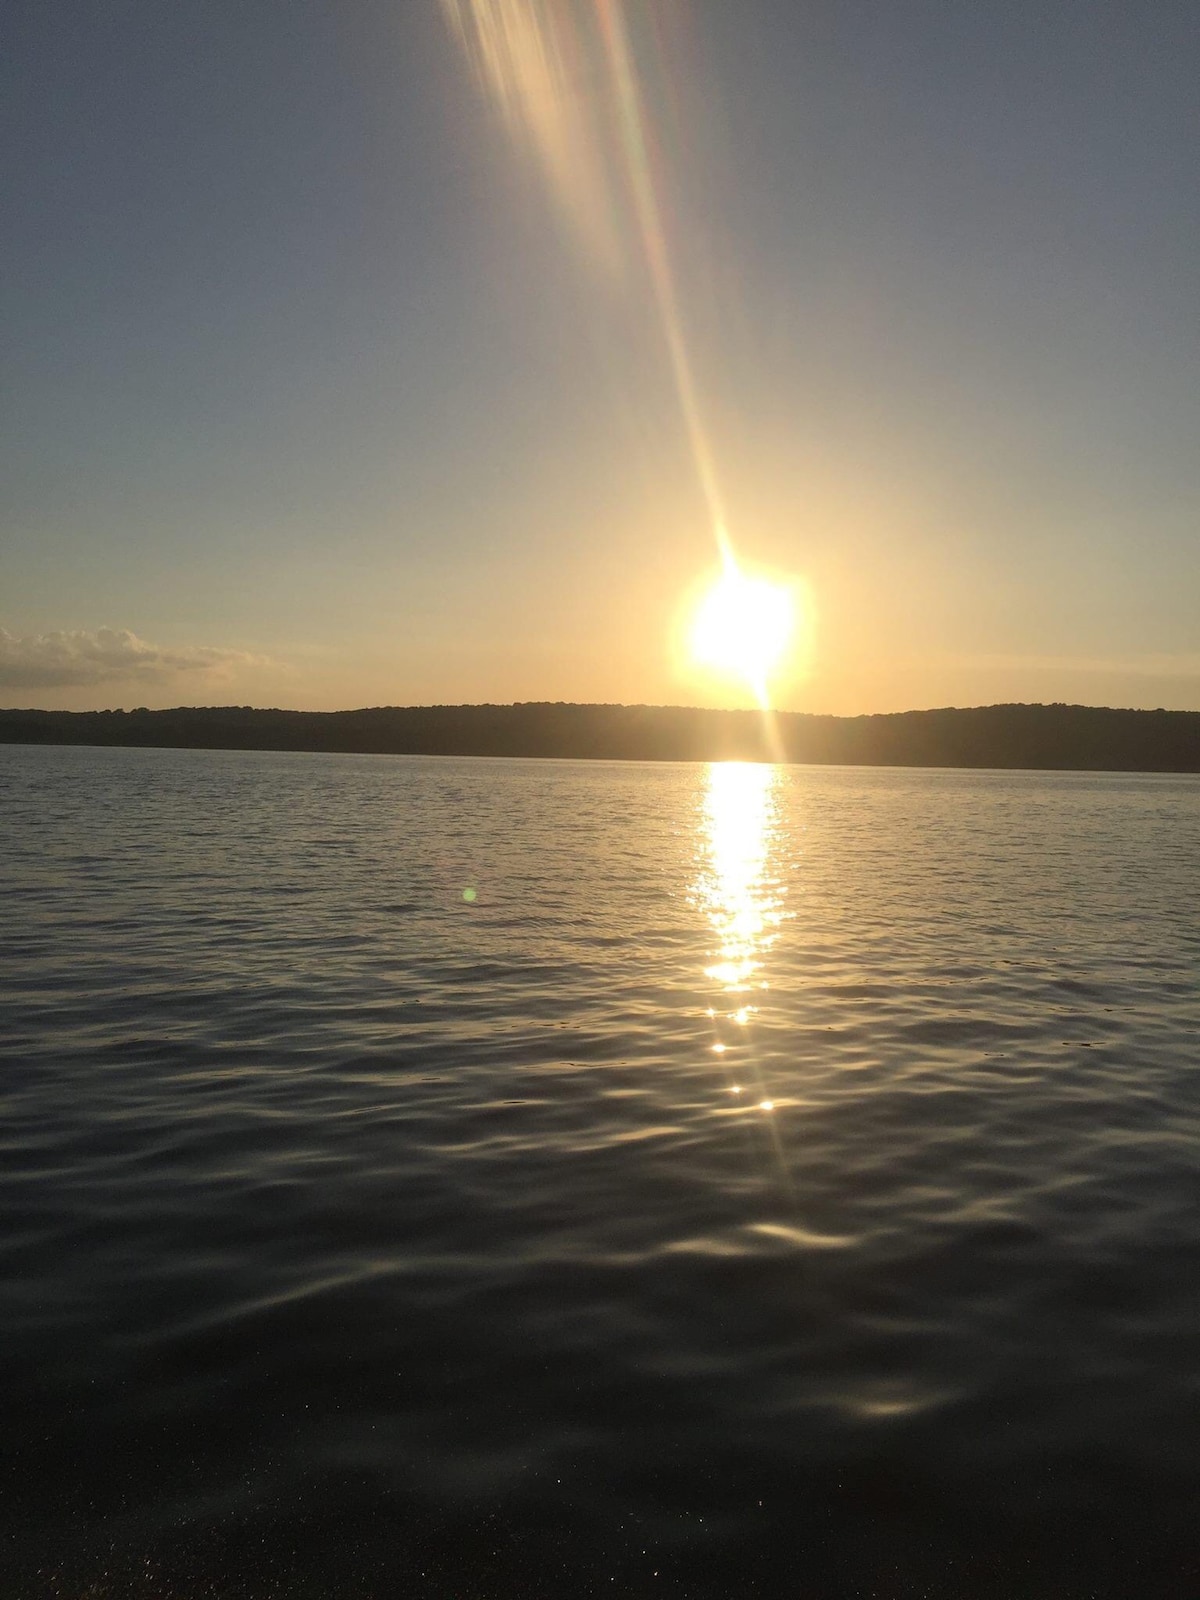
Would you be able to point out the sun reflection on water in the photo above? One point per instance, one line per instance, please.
(740, 894)
(735, 888)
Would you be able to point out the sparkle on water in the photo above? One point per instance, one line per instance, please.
(738, 892)
(745, 911)
(360, 1243)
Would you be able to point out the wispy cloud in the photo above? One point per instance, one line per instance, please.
(77, 659)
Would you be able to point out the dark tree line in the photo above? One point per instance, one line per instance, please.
(1087, 738)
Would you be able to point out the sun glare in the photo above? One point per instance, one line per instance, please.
(742, 628)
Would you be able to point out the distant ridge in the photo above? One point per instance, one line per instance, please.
(1083, 738)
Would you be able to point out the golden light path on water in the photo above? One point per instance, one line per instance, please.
(744, 904)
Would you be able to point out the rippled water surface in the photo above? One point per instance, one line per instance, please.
(462, 1177)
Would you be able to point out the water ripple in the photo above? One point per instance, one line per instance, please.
(768, 1172)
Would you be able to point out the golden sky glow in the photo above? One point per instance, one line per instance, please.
(432, 370)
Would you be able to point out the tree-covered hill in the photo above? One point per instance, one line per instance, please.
(1038, 736)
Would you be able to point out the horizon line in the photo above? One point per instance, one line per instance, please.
(587, 705)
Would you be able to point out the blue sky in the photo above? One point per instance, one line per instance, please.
(313, 396)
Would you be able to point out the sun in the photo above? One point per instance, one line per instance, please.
(742, 628)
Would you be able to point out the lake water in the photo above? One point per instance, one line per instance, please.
(498, 1178)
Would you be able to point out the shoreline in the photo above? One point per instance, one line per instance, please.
(1001, 737)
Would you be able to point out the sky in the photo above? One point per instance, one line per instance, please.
(345, 364)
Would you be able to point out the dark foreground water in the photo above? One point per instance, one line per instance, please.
(471, 1178)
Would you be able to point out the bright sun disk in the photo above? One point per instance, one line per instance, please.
(742, 628)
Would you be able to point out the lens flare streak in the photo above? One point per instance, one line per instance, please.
(533, 59)
(564, 78)
(657, 253)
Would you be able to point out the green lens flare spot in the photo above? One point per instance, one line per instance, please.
(468, 895)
